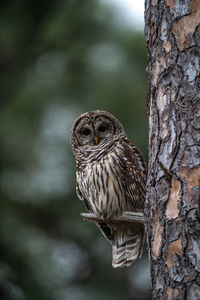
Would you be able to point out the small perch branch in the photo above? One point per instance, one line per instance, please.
(126, 217)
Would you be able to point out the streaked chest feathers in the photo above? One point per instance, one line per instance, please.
(100, 183)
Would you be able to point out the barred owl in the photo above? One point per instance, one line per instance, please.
(111, 176)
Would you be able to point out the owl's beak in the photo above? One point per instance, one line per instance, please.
(96, 140)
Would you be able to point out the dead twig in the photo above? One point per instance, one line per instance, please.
(126, 217)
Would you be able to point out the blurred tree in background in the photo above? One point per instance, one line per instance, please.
(59, 59)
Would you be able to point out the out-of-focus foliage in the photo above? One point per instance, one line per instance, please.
(59, 59)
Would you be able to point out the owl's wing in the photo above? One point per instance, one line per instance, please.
(104, 228)
(78, 192)
(81, 197)
(133, 177)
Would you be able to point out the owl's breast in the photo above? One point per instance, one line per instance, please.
(100, 183)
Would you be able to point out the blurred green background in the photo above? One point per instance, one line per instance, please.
(59, 59)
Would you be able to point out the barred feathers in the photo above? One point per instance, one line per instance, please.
(127, 246)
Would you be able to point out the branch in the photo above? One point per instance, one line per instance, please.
(126, 217)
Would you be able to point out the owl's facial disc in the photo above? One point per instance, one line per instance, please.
(94, 130)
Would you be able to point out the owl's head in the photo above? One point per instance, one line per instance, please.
(93, 128)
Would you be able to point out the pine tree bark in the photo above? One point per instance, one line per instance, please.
(173, 189)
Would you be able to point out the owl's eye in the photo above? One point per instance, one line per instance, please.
(102, 128)
(86, 131)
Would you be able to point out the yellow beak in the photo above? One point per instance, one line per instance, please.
(96, 140)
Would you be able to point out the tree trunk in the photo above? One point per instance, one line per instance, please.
(172, 209)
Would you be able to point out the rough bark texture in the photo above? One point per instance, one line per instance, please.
(173, 227)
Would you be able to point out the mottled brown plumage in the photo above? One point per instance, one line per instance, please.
(111, 177)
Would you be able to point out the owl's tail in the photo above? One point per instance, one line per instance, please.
(127, 246)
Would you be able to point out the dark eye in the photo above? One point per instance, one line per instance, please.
(86, 131)
(102, 128)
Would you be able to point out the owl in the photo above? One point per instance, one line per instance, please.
(111, 179)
